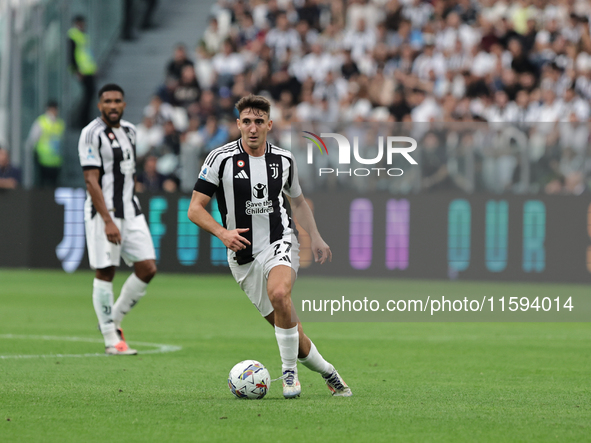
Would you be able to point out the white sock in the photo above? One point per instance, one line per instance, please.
(102, 299)
(288, 341)
(133, 289)
(315, 362)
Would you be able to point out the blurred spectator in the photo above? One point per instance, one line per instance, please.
(213, 135)
(179, 61)
(308, 36)
(191, 158)
(46, 141)
(418, 12)
(331, 39)
(349, 68)
(331, 88)
(166, 90)
(168, 152)
(454, 31)
(308, 110)
(260, 77)
(399, 107)
(502, 110)
(550, 109)
(187, 90)
(429, 60)
(521, 62)
(315, 65)
(381, 89)
(272, 11)
(158, 111)
(227, 64)
(362, 10)
(248, 31)
(150, 180)
(310, 13)
(425, 108)
(148, 136)
(359, 40)
(83, 65)
(213, 38)
(285, 106)
(171, 143)
(227, 111)
(573, 104)
(207, 105)
(282, 37)
(204, 70)
(10, 176)
(393, 15)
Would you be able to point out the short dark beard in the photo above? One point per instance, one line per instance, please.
(109, 121)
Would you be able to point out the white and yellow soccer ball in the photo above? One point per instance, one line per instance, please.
(249, 379)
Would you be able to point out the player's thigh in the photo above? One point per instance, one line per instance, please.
(251, 279)
(136, 241)
(101, 252)
(280, 280)
(281, 264)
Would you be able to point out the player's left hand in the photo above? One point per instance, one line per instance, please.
(112, 232)
(320, 250)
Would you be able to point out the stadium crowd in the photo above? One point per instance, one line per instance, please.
(496, 93)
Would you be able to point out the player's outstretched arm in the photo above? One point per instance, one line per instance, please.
(91, 177)
(304, 215)
(199, 215)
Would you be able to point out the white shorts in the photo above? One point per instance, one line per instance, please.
(136, 242)
(252, 277)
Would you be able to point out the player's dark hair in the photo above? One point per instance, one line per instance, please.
(255, 102)
(110, 87)
(79, 19)
(52, 104)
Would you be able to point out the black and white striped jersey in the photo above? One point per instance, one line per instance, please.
(112, 151)
(249, 193)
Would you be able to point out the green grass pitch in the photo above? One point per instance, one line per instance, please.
(485, 382)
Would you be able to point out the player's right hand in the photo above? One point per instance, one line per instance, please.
(234, 241)
(112, 232)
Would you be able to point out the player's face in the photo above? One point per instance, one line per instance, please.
(254, 125)
(111, 105)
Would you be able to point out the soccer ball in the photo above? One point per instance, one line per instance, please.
(249, 379)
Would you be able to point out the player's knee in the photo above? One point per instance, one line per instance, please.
(147, 271)
(280, 298)
(106, 274)
(151, 270)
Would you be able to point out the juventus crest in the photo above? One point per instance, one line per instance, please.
(275, 168)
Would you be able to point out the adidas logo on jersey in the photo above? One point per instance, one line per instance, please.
(241, 174)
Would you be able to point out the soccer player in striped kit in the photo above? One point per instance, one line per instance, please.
(115, 225)
(249, 177)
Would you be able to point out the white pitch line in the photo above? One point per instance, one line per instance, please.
(160, 348)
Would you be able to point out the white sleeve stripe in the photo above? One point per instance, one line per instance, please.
(90, 133)
(224, 155)
(212, 157)
(223, 147)
(280, 151)
(211, 154)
